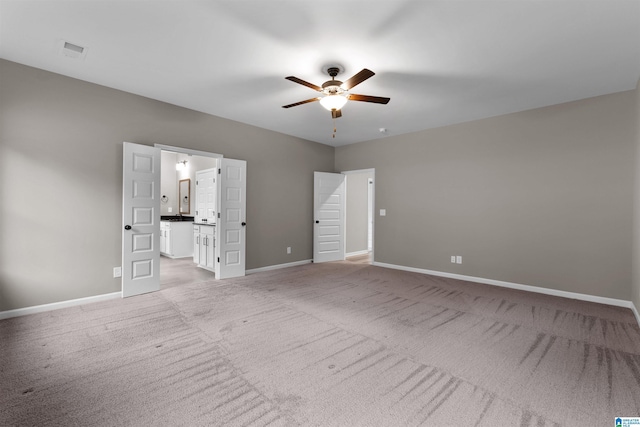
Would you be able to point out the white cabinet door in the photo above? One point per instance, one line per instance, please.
(141, 219)
(230, 245)
(203, 250)
(211, 251)
(196, 244)
(163, 238)
(207, 242)
(168, 240)
(328, 209)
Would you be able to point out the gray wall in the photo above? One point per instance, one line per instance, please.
(61, 182)
(542, 197)
(357, 212)
(169, 183)
(635, 290)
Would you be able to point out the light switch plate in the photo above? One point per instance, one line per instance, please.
(458, 259)
(383, 212)
(117, 272)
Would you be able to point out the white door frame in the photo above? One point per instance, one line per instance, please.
(218, 268)
(371, 204)
(187, 151)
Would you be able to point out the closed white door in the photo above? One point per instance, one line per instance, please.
(329, 219)
(141, 219)
(230, 229)
(206, 195)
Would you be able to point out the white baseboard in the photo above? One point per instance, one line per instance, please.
(356, 253)
(635, 311)
(57, 305)
(278, 266)
(529, 288)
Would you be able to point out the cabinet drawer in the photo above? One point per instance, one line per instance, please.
(206, 229)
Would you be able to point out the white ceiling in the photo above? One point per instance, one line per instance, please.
(440, 62)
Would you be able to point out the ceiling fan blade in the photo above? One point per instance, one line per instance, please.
(335, 114)
(357, 79)
(301, 102)
(304, 83)
(367, 98)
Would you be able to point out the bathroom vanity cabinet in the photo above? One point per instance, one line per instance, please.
(176, 239)
(204, 245)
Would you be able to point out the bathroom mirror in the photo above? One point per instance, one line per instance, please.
(184, 195)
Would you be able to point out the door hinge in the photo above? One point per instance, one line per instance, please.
(218, 259)
(219, 171)
(218, 214)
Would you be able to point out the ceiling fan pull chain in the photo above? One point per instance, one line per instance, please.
(334, 128)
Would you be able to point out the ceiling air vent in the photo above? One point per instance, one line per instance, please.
(72, 50)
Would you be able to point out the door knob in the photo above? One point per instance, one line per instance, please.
(127, 227)
(317, 222)
(244, 223)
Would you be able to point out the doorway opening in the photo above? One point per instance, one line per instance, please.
(179, 170)
(359, 216)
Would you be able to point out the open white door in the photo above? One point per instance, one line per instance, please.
(328, 210)
(232, 206)
(141, 219)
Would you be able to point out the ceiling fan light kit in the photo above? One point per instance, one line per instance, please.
(333, 102)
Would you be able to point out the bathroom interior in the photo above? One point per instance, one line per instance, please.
(187, 240)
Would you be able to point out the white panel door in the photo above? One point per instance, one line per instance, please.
(206, 195)
(328, 209)
(230, 243)
(141, 219)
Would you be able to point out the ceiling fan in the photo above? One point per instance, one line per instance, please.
(336, 92)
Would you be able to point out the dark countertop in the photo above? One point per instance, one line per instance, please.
(205, 223)
(176, 218)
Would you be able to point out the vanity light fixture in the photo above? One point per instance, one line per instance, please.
(181, 165)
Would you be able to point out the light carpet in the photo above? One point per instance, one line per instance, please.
(336, 344)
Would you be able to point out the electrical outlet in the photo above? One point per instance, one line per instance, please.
(453, 259)
(288, 249)
(458, 259)
(117, 272)
(170, 209)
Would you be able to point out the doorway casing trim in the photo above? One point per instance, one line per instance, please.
(187, 151)
(373, 204)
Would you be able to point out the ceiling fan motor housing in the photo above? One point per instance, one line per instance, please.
(332, 87)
